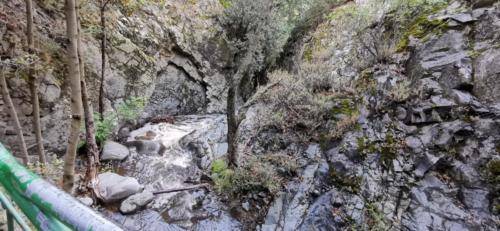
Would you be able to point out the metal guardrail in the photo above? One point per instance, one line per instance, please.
(12, 214)
(46, 206)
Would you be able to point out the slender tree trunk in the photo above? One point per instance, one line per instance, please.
(103, 56)
(92, 150)
(232, 123)
(13, 116)
(33, 85)
(76, 96)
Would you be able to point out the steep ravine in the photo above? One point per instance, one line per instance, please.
(405, 135)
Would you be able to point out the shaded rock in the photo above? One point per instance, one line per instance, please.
(487, 73)
(176, 92)
(462, 98)
(114, 151)
(430, 86)
(113, 187)
(426, 162)
(136, 201)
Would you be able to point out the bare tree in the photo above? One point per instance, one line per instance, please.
(102, 8)
(91, 145)
(33, 84)
(13, 116)
(76, 96)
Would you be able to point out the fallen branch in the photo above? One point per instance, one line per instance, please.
(181, 189)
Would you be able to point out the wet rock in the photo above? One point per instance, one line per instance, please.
(136, 201)
(114, 151)
(113, 187)
(147, 147)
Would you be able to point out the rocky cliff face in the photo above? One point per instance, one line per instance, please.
(156, 51)
(418, 147)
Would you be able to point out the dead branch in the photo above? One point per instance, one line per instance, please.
(181, 189)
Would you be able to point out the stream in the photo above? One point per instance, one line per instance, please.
(165, 156)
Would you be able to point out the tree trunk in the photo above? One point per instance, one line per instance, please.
(92, 150)
(232, 123)
(76, 96)
(13, 116)
(33, 85)
(103, 56)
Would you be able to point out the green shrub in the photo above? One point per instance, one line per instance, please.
(104, 127)
(126, 112)
(225, 3)
(252, 176)
(130, 109)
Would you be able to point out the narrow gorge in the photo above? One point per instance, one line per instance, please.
(341, 114)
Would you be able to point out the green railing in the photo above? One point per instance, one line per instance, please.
(46, 206)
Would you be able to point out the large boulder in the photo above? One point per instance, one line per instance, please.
(113, 187)
(114, 151)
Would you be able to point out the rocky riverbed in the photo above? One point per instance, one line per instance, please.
(168, 156)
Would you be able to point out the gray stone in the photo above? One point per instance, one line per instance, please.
(114, 151)
(486, 84)
(401, 113)
(439, 101)
(136, 201)
(246, 206)
(430, 86)
(462, 17)
(313, 151)
(113, 187)
(425, 163)
(176, 92)
(414, 143)
(86, 201)
(462, 98)
(475, 198)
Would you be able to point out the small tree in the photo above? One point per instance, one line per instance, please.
(32, 81)
(91, 145)
(13, 114)
(76, 96)
(103, 5)
(251, 34)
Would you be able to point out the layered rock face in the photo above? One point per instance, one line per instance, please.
(423, 151)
